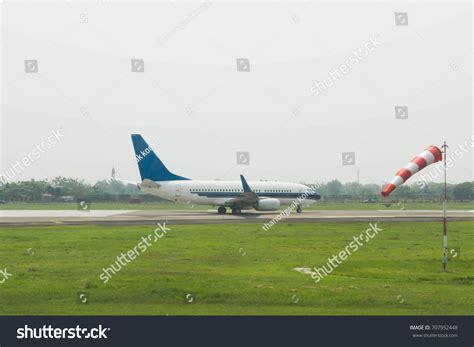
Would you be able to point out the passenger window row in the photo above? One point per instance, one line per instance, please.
(240, 190)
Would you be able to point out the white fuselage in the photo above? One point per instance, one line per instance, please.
(217, 193)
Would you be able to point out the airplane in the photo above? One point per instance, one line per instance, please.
(237, 195)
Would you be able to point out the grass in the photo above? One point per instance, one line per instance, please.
(103, 206)
(180, 206)
(237, 270)
(392, 206)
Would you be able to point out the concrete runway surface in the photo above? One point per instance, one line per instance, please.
(148, 217)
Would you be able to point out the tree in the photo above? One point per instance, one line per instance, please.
(334, 187)
(464, 191)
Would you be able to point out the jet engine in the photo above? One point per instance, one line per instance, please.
(267, 204)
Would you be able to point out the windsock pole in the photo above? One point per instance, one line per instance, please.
(445, 211)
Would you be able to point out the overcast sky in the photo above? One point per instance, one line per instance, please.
(196, 109)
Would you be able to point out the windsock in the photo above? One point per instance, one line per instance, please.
(430, 156)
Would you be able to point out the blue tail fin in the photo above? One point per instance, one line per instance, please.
(245, 185)
(150, 166)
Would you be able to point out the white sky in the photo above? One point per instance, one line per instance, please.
(196, 110)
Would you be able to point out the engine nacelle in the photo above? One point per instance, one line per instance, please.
(267, 204)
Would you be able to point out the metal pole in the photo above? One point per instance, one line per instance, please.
(445, 211)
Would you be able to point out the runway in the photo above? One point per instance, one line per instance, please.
(148, 217)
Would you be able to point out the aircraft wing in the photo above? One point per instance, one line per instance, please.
(247, 198)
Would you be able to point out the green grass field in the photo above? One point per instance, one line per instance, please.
(180, 206)
(103, 206)
(392, 206)
(237, 270)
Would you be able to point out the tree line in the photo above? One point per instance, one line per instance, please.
(107, 190)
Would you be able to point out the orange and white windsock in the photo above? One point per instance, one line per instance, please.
(430, 156)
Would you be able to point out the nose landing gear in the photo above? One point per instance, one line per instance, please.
(222, 210)
(298, 209)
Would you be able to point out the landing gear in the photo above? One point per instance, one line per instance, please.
(222, 210)
(298, 209)
(236, 210)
